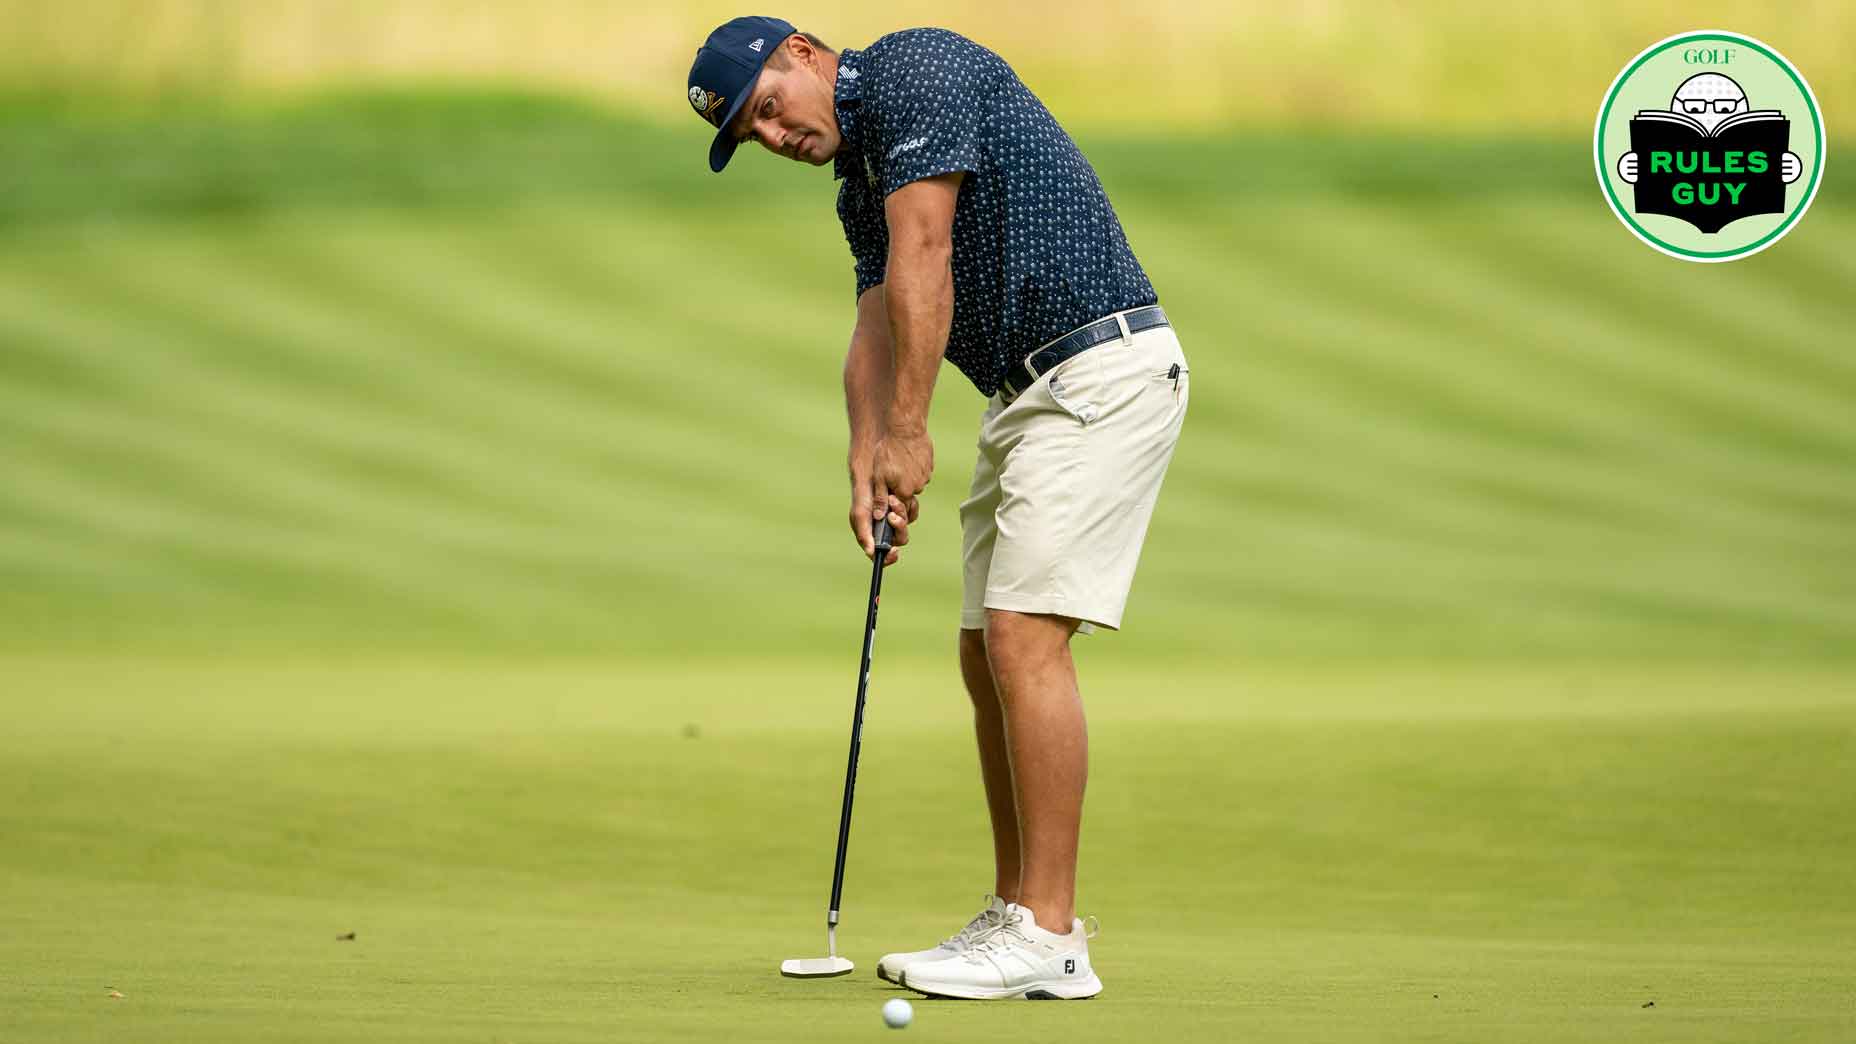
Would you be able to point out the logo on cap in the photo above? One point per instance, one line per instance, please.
(756, 45)
(707, 105)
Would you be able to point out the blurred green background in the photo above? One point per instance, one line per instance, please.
(421, 514)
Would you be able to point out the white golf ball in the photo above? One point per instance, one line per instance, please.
(897, 1013)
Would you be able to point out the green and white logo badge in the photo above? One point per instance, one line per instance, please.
(1709, 146)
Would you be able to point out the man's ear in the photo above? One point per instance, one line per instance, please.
(799, 51)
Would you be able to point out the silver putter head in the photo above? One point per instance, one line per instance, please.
(815, 967)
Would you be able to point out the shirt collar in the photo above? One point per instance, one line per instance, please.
(847, 100)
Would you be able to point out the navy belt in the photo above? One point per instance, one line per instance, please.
(1024, 374)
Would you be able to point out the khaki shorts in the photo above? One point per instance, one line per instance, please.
(1066, 481)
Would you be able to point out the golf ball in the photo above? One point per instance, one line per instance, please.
(897, 1013)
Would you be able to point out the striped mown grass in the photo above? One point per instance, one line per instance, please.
(580, 415)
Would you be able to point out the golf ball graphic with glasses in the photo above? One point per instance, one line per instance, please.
(897, 1013)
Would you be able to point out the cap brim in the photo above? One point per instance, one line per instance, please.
(723, 148)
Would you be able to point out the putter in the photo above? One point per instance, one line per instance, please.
(832, 964)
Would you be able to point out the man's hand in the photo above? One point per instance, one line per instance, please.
(902, 464)
(864, 516)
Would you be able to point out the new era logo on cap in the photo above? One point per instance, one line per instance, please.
(723, 74)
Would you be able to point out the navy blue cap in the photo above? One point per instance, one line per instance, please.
(723, 75)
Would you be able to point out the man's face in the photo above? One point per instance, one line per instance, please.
(791, 110)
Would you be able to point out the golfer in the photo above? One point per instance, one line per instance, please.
(981, 235)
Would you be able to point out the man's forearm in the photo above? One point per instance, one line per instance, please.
(868, 379)
(919, 293)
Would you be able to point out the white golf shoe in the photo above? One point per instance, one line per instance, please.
(889, 969)
(1015, 959)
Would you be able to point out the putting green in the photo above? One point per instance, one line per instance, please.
(583, 851)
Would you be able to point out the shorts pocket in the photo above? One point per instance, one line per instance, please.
(1179, 377)
(1176, 376)
(1073, 386)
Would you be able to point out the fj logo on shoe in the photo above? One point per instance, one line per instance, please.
(1709, 146)
(1069, 966)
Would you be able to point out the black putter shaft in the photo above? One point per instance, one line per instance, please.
(882, 535)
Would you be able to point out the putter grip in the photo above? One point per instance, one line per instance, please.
(882, 534)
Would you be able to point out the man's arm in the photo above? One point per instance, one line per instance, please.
(918, 293)
(868, 382)
(868, 378)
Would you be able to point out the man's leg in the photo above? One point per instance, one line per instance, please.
(1049, 745)
(995, 766)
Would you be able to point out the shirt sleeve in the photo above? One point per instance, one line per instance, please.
(866, 230)
(929, 107)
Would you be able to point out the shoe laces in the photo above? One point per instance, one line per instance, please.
(983, 924)
(1003, 936)
(1008, 934)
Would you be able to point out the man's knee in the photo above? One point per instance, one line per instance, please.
(1012, 636)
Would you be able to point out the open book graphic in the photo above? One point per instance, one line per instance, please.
(1710, 180)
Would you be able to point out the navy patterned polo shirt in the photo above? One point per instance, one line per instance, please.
(1037, 250)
